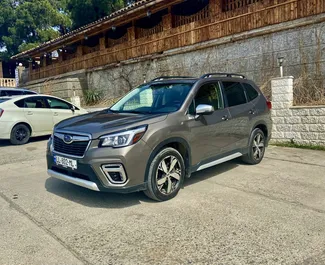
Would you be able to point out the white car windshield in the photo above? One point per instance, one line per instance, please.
(154, 98)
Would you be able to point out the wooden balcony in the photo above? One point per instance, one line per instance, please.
(209, 24)
(7, 82)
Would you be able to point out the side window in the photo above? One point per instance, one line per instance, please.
(58, 104)
(35, 103)
(9, 93)
(29, 93)
(20, 103)
(210, 94)
(234, 93)
(250, 92)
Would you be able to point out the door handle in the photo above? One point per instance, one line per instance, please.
(29, 113)
(225, 118)
(56, 114)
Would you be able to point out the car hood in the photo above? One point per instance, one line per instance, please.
(104, 122)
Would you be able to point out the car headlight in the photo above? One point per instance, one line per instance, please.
(122, 139)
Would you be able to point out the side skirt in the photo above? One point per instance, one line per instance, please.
(217, 161)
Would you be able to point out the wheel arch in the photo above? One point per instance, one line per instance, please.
(179, 144)
(24, 123)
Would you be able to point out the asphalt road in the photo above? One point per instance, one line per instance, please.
(272, 213)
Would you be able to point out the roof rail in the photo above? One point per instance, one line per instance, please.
(223, 74)
(170, 77)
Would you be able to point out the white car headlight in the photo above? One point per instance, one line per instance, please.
(122, 139)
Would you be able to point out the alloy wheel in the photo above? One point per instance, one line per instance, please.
(258, 147)
(168, 175)
(20, 134)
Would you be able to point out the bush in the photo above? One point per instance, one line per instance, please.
(93, 97)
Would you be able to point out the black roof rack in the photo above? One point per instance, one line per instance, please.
(223, 74)
(170, 77)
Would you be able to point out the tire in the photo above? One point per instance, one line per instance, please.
(256, 148)
(20, 134)
(163, 182)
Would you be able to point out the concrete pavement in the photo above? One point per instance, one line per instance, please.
(272, 213)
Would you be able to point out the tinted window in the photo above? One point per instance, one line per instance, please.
(29, 93)
(20, 103)
(35, 103)
(58, 104)
(235, 93)
(210, 94)
(9, 93)
(250, 92)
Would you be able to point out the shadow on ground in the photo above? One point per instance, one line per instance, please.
(4, 143)
(91, 198)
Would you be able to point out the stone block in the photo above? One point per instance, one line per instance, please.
(309, 136)
(282, 97)
(300, 112)
(321, 119)
(292, 135)
(282, 127)
(292, 120)
(278, 120)
(310, 120)
(282, 82)
(317, 127)
(282, 113)
(317, 111)
(321, 136)
(300, 128)
(277, 135)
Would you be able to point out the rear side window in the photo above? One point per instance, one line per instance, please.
(20, 103)
(234, 93)
(58, 104)
(250, 92)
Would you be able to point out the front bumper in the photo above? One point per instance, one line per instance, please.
(89, 173)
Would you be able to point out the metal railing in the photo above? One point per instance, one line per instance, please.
(7, 82)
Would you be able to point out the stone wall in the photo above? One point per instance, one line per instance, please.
(254, 53)
(302, 125)
(303, 48)
(64, 86)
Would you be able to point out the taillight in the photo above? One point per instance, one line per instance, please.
(1, 112)
(269, 104)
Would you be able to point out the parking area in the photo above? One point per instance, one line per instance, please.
(272, 213)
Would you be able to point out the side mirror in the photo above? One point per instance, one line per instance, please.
(203, 109)
(73, 108)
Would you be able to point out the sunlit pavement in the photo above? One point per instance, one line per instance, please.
(272, 213)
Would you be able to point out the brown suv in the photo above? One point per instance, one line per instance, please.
(161, 132)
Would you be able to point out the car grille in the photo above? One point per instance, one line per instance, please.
(77, 148)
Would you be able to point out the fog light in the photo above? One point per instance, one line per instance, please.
(115, 173)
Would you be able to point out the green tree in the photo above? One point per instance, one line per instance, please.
(86, 11)
(25, 24)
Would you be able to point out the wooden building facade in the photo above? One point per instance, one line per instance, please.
(153, 26)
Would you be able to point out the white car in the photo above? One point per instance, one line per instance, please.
(22, 117)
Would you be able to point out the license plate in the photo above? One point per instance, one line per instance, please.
(65, 162)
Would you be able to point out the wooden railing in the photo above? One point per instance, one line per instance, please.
(7, 82)
(143, 33)
(183, 20)
(260, 14)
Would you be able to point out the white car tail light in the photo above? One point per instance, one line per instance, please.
(1, 112)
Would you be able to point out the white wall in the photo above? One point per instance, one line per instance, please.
(302, 124)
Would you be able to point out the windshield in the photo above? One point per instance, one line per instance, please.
(156, 98)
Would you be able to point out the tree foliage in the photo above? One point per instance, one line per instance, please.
(86, 11)
(24, 24)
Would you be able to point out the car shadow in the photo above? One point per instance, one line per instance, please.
(211, 172)
(95, 199)
(4, 143)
